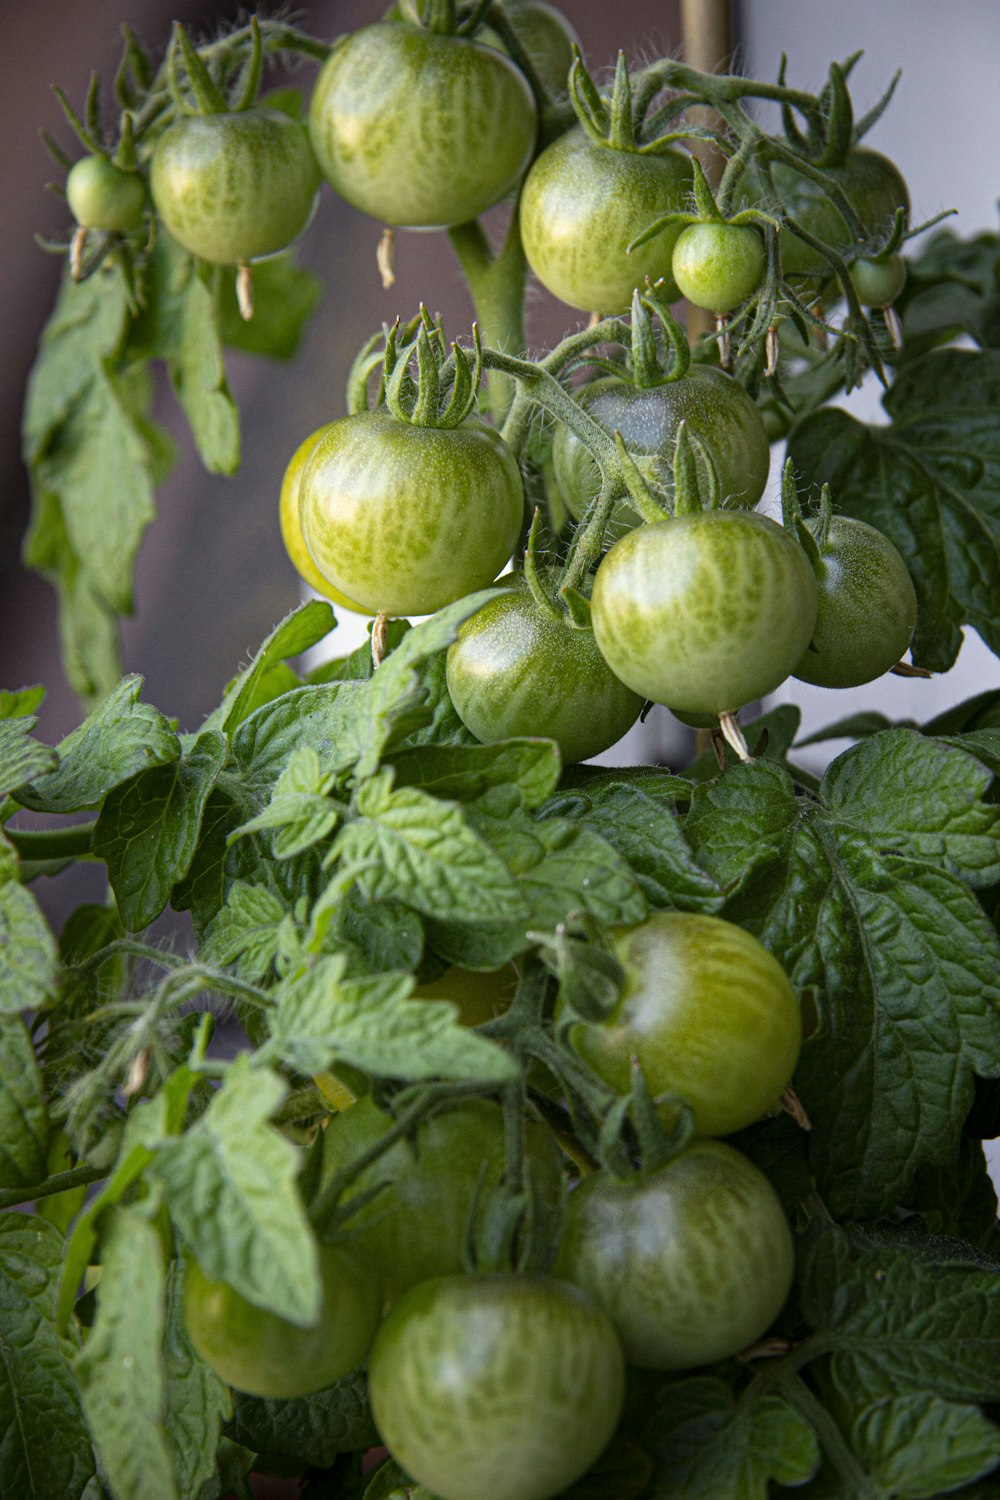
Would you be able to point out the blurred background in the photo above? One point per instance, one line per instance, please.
(212, 576)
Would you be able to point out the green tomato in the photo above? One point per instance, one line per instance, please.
(516, 669)
(479, 996)
(716, 409)
(706, 612)
(546, 36)
(102, 196)
(717, 266)
(867, 607)
(433, 1187)
(582, 206)
(873, 186)
(506, 1387)
(419, 129)
(691, 1263)
(405, 519)
(709, 1014)
(234, 187)
(291, 527)
(256, 1351)
(879, 282)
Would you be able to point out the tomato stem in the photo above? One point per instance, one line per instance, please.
(61, 1182)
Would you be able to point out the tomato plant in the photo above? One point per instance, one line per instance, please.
(384, 1003)
(521, 667)
(256, 1351)
(708, 1013)
(420, 129)
(508, 1386)
(691, 1263)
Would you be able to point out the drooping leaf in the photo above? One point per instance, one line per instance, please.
(23, 1114)
(149, 826)
(120, 1368)
(284, 297)
(45, 1450)
(120, 738)
(230, 1184)
(324, 1016)
(29, 963)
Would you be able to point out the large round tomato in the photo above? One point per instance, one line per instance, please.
(709, 1014)
(717, 266)
(417, 1226)
(419, 129)
(691, 1263)
(102, 196)
(705, 612)
(867, 607)
(716, 409)
(873, 185)
(506, 1387)
(257, 1352)
(232, 187)
(291, 527)
(582, 206)
(405, 519)
(516, 669)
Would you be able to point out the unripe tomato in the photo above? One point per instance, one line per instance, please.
(873, 185)
(235, 186)
(867, 607)
(516, 669)
(705, 612)
(419, 129)
(582, 206)
(717, 266)
(417, 1226)
(291, 527)
(405, 519)
(691, 1263)
(496, 1387)
(708, 1012)
(878, 282)
(716, 409)
(480, 996)
(102, 196)
(256, 1351)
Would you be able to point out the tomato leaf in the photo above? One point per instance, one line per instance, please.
(323, 1016)
(426, 854)
(466, 772)
(180, 325)
(230, 1183)
(959, 1199)
(312, 1428)
(46, 1449)
(648, 836)
(29, 963)
(245, 932)
(931, 483)
(120, 1367)
(864, 898)
(952, 289)
(23, 1115)
(120, 738)
(921, 1447)
(284, 298)
(904, 1315)
(303, 628)
(148, 829)
(705, 1443)
(22, 758)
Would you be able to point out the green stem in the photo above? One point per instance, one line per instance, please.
(496, 284)
(53, 843)
(858, 1483)
(727, 88)
(62, 1182)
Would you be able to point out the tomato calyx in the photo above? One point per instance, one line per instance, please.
(443, 394)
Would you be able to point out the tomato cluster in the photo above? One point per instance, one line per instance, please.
(652, 577)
